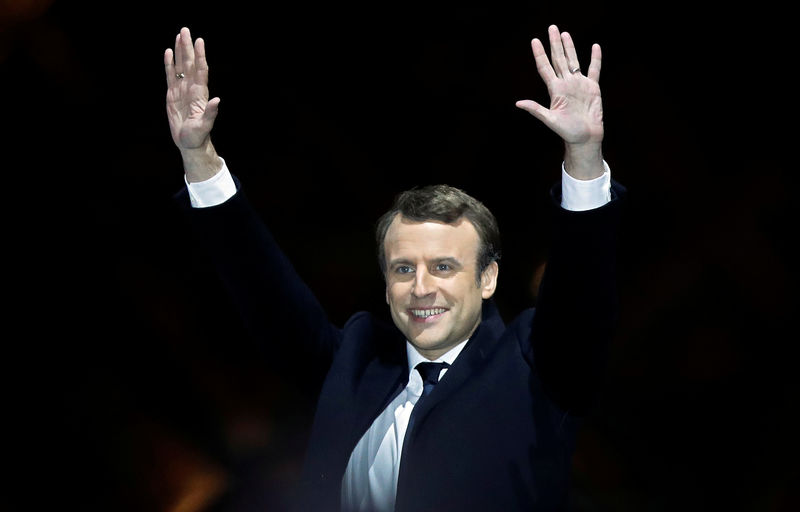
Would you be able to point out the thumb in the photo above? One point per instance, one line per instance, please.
(536, 110)
(211, 111)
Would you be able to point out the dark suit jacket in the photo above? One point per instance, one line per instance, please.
(498, 431)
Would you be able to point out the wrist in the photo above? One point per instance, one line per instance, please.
(201, 163)
(584, 161)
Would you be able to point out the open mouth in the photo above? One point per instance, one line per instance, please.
(426, 314)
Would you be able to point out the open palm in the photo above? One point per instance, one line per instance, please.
(191, 114)
(576, 107)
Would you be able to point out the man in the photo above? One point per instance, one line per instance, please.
(491, 424)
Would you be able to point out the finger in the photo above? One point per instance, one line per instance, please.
(169, 67)
(594, 66)
(542, 62)
(569, 49)
(201, 65)
(178, 54)
(187, 57)
(557, 51)
(536, 110)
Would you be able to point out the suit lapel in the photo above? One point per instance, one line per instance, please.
(384, 377)
(470, 359)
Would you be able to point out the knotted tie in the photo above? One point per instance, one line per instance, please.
(430, 375)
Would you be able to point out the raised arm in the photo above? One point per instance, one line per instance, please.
(576, 107)
(191, 114)
(277, 308)
(577, 304)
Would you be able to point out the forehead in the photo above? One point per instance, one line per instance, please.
(430, 239)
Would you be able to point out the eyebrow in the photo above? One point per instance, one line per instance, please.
(446, 259)
(399, 261)
(451, 260)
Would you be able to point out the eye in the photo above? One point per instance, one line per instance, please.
(443, 267)
(403, 269)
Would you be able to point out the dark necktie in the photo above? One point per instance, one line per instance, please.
(430, 375)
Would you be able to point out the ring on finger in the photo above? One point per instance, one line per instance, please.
(574, 70)
(179, 75)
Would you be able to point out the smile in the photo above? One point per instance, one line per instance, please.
(422, 314)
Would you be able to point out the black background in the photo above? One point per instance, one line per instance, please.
(129, 383)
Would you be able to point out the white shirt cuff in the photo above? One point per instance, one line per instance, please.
(213, 191)
(579, 195)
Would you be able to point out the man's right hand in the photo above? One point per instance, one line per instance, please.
(191, 114)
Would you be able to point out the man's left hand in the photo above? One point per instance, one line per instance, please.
(576, 107)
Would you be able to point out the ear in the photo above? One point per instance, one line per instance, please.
(387, 293)
(489, 280)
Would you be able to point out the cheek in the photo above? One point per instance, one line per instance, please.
(472, 299)
(394, 294)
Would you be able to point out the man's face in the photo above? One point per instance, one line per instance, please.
(431, 284)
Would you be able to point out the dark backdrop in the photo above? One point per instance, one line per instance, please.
(129, 383)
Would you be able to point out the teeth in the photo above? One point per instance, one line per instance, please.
(425, 313)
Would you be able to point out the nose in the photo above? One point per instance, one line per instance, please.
(424, 283)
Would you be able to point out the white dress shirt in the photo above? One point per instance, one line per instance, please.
(370, 480)
(377, 454)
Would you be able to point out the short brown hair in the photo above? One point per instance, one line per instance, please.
(447, 204)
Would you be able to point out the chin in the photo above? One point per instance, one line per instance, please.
(423, 343)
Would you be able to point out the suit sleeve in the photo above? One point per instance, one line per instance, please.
(577, 305)
(277, 307)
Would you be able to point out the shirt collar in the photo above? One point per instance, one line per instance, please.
(414, 357)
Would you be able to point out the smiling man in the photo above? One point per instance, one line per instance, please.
(447, 408)
(438, 268)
